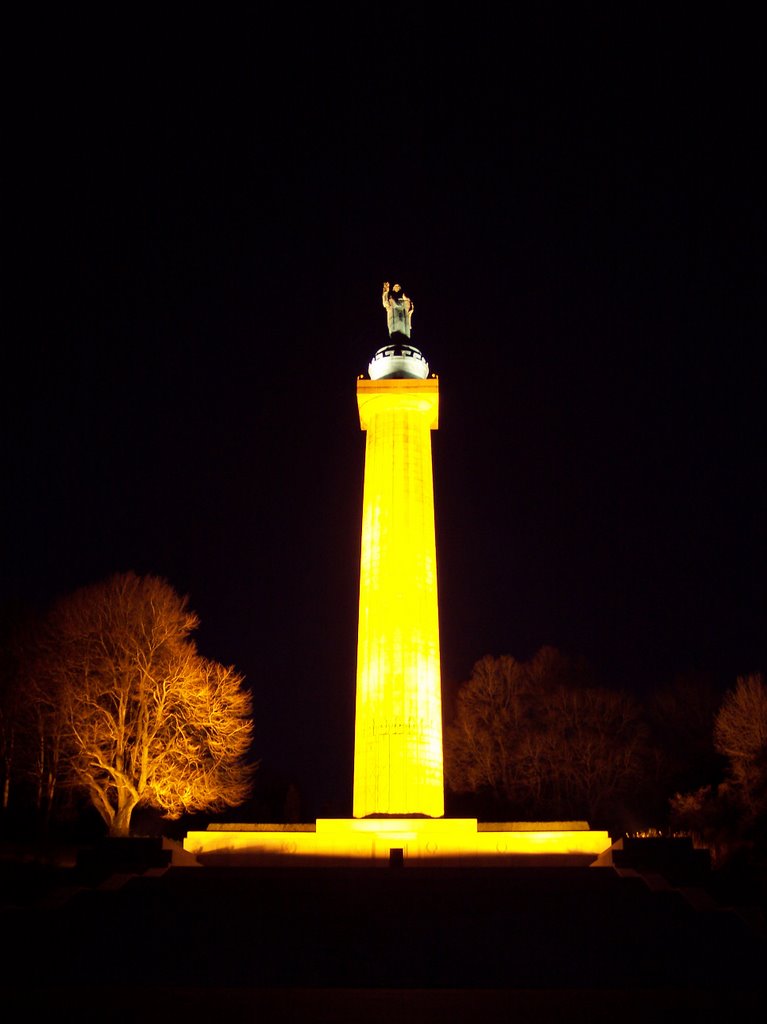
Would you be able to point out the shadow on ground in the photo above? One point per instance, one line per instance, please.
(369, 944)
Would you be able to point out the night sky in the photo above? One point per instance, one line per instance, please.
(198, 220)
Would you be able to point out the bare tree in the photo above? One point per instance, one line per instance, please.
(44, 736)
(482, 746)
(18, 751)
(539, 738)
(597, 748)
(10, 705)
(740, 734)
(148, 720)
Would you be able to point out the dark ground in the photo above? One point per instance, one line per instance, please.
(370, 944)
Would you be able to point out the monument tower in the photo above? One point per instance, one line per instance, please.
(398, 803)
(398, 719)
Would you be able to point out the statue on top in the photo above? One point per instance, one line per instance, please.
(399, 309)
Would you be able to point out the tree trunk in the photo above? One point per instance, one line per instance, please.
(121, 822)
(120, 825)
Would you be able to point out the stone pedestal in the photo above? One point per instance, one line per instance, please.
(421, 840)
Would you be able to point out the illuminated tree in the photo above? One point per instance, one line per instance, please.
(148, 720)
(740, 734)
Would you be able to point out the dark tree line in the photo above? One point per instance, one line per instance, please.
(541, 740)
(730, 815)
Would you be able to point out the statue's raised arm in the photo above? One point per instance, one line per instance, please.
(399, 309)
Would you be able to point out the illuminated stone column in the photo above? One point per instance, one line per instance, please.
(398, 729)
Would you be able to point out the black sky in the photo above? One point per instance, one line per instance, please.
(198, 220)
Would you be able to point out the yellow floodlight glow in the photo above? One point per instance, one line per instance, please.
(421, 840)
(398, 725)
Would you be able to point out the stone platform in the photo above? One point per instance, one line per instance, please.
(398, 840)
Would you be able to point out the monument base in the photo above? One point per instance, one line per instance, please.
(430, 841)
